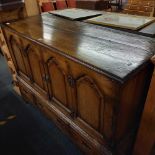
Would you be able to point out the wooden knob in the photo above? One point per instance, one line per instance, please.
(153, 59)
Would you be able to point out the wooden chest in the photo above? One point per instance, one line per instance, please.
(91, 81)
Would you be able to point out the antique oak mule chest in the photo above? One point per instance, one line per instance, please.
(90, 80)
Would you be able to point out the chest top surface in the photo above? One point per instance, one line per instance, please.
(114, 53)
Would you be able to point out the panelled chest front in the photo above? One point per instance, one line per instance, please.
(92, 88)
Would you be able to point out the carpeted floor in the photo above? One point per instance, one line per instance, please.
(23, 129)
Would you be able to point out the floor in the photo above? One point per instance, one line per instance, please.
(23, 129)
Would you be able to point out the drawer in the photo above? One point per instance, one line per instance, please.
(60, 122)
(84, 145)
(89, 145)
(66, 127)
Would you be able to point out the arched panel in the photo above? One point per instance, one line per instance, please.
(18, 55)
(57, 81)
(36, 67)
(90, 102)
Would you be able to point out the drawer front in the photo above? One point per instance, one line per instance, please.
(66, 128)
(90, 146)
(84, 144)
(60, 122)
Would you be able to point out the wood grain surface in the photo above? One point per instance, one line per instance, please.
(91, 81)
(113, 53)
